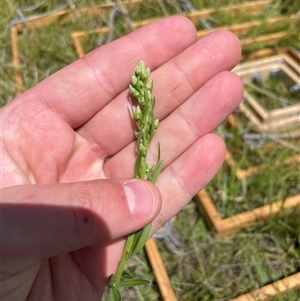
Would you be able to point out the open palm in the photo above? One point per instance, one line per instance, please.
(67, 145)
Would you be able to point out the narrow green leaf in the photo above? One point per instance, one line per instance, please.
(156, 172)
(115, 295)
(153, 126)
(111, 280)
(154, 175)
(137, 236)
(134, 282)
(129, 246)
(141, 239)
(131, 269)
(126, 276)
(137, 166)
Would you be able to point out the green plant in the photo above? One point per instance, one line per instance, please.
(143, 115)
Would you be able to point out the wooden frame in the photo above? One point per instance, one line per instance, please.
(243, 28)
(61, 16)
(276, 120)
(243, 173)
(232, 10)
(230, 225)
(70, 15)
(222, 227)
(268, 292)
(233, 224)
(238, 29)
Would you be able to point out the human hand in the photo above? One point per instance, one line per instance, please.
(67, 152)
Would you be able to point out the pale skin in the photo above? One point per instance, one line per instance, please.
(64, 213)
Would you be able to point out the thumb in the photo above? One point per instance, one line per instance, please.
(46, 220)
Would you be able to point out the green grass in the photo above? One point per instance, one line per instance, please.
(276, 89)
(232, 196)
(207, 268)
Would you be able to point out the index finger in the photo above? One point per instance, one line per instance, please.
(80, 90)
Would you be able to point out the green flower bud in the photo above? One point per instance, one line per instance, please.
(141, 100)
(149, 86)
(142, 149)
(139, 68)
(145, 74)
(134, 80)
(140, 85)
(133, 91)
(138, 115)
(148, 95)
(149, 169)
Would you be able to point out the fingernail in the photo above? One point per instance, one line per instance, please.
(140, 198)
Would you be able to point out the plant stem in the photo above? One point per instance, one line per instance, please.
(124, 258)
(143, 115)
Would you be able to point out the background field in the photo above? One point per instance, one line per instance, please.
(204, 267)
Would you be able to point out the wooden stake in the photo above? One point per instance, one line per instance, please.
(159, 271)
(16, 60)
